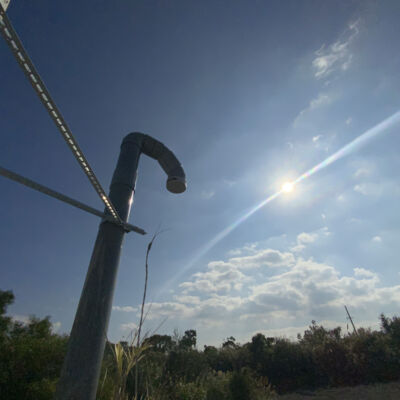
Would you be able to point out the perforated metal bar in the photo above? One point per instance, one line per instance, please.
(52, 193)
(5, 3)
(30, 72)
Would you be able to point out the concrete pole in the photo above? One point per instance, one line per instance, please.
(81, 370)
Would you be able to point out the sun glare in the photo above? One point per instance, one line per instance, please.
(287, 187)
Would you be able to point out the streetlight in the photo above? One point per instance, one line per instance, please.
(81, 369)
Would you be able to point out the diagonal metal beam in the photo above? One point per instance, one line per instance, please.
(38, 85)
(52, 193)
(5, 4)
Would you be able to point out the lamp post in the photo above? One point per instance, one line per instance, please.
(81, 368)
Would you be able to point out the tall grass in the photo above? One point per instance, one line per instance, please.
(126, 356)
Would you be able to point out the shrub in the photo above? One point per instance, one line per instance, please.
(189, 391)
(31, 356)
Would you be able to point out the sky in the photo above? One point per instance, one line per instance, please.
(249, 95)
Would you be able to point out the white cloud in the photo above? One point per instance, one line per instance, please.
(55, 326)
(337, 56)
(369, 189)
(308, 290)
(21, 318)
(221, 277)
(245, 295)
(349, 121)
(187, 299)
(362, 272)
(25, 319)
(130, 326)
(235, 252)
(125, 308)
(387, 187)
(318, 289)
(292, 289)
(316, 138)
(305, 238)
(362, 172)
(230, 183)
(377, 239)
(264, 258)
(212, 309)
(321, 100)
(207, 194)
(298, 248)
(246, 249)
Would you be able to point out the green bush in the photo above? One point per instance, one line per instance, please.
(31, 356)
(189, 391)
(241, 387)
(218, 386)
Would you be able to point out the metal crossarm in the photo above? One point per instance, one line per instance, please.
(52, 193)
(30, 72)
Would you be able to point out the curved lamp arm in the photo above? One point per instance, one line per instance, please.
(176, 182)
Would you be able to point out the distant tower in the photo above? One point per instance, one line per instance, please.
(351, 320)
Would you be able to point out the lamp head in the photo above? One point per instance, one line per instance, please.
(176, 184)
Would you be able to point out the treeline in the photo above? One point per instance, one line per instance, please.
(172, 368)
(320, 358)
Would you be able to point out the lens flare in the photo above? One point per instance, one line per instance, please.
(354, 145)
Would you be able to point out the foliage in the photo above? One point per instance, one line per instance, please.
(117, 378)
(171, 368)
(218, 386)
(6, 298)
(188, 340)
(31, 356)
(189, 391)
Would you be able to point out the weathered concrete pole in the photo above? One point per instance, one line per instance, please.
(81, 369)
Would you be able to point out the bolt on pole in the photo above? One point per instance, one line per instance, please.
(81, 369)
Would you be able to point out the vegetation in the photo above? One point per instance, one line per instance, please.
(172, 368)
(31, 356)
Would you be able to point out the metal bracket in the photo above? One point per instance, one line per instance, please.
(59, 196)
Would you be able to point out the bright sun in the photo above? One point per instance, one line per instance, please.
(287, 187)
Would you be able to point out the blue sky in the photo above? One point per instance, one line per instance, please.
(248, 94)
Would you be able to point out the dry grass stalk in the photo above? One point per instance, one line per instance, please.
(125, 357)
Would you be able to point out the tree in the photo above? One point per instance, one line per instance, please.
(258, 343)
(30, 356)
(161, 343)
(188, 340)
(391, 326)
(6, 298)
(229, 342)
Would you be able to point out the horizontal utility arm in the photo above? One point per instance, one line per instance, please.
(52, 193)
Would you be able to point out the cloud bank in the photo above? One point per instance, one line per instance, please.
(268, 289)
